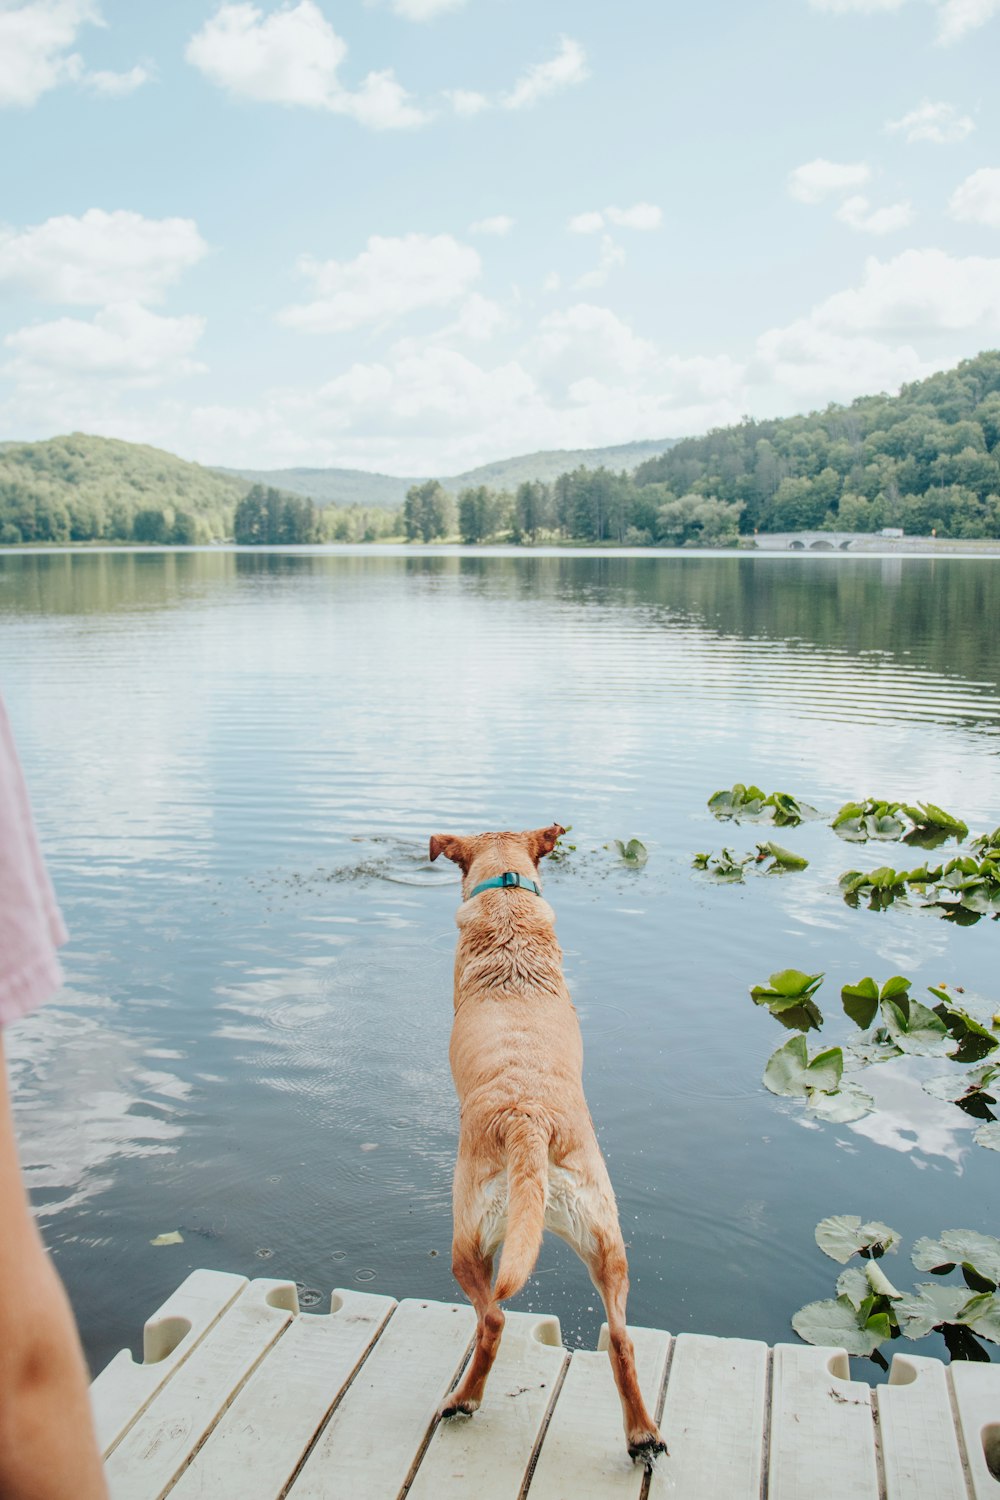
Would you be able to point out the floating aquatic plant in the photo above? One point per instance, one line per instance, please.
(788, 995)
(727, 866)
(749, 802)
(964, 889)
(790, 1070)
(875, 819)
(861, 1000)
(782, 859)
(869, 1309)
(632, 853)
(730, 866)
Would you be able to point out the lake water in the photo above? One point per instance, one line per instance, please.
(236, 760)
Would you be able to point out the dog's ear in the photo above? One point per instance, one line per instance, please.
(543, 840)
(452, 848)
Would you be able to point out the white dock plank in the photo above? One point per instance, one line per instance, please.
(368, 1447)
(158, 1447)
(124, 1389)
(977, 1400)
(714, 1419)
(920, 1454)
(583, 1454)
(488, 1454)
(822, 1432)
(259, 1442)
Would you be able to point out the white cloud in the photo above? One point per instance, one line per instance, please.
(392, 277)
(977, 199)
(858, 213)
(940, 123)
(499, 224)
(956, 17)
(568, 67)
(292, 57)
(117, 85)
(867, 7)
(820, 366)
(35, 42)
(916, 293)
(99, 257)
(816, 180)
(467, 101)
(586, 223)
(424, 10)
(125, 343)
(639, 216)
(611, 255)
(586, 339)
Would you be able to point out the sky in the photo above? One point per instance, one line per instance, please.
(418, 235)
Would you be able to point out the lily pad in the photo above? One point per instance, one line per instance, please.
(970, 1090)
(848, 1103)
(791, 1072)
(739, 801)
(634, 852)
(836, 1323)
(788, 996)
(926, 817)
(915, 1029)
(879, 1282)
(982, 1314)
(844, 1235)
(787, 810)
(928, 1307)
(853, 1284)
(783, 859)
(860, 1000)
(974, 1252)
(788, 985)
(871, 819)
(989, 1136)
(975, 1041)
(864, 1051)
(728, 866)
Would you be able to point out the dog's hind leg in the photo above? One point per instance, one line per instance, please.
(608, 1268)
(474, 1273)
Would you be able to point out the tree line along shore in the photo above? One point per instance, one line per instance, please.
(926, 462)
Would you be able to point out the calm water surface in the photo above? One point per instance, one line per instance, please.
(236, 761)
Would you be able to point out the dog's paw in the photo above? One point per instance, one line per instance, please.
(453, 1408)
(645, 1448)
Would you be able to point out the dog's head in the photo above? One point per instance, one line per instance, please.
(487, 854)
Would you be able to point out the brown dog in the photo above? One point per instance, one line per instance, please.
(528, 1159)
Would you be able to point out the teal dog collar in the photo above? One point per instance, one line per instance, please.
(507, 879)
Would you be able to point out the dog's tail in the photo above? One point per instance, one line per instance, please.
(527, 1142)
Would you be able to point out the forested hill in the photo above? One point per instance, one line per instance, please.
(926, 459)
(359, 487)
(77, 488)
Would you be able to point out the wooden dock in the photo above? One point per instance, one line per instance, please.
(241, 1396)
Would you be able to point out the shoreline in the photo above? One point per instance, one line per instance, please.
(771, 545)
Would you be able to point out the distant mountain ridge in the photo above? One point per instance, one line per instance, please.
(360, 487)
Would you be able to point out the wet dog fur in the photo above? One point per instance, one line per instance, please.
(528, 1158)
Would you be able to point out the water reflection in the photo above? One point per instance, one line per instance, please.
(237, 760)
(85, 1101)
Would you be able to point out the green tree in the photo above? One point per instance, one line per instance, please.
(150, 525)
(250, 518)
(428, 512)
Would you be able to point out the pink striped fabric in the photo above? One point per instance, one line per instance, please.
(31, 927)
